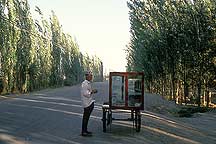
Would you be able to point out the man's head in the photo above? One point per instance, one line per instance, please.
(88, 75)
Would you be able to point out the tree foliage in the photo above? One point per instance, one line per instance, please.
(173, 42)
(36, 54)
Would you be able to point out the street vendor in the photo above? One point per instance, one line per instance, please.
(87, 102)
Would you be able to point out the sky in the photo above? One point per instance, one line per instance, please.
(100, 27)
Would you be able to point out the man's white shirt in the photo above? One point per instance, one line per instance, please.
(86, 96)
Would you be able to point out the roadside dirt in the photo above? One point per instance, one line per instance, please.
(160, 118)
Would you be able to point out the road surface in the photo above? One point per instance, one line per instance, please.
(53, 116)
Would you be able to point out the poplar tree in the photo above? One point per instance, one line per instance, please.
(173, 43)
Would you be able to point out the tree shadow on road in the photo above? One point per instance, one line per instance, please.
(155, 128)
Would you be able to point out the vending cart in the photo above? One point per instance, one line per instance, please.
(126, 92)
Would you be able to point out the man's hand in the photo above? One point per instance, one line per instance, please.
(94, 91)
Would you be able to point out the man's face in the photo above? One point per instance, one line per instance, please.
(89, 77)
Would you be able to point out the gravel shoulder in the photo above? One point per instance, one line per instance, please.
(198, 129)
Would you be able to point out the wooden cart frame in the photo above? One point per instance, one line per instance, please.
(131, 86)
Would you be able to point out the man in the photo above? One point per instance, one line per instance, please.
(87, 102)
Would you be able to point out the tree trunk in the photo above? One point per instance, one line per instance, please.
(186, 92)
(199, 93)
(207, 98)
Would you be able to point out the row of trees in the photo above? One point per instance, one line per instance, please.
(174, 43)
(36, 54)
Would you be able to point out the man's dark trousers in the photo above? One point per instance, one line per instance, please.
(86, 115)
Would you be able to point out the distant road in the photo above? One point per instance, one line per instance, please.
(54, 116)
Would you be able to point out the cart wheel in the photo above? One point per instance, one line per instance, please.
(104, 120)
(109, 118)
(137, 121)
(132, 114)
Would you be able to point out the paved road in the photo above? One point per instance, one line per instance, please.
(51, 117)
(54, 116)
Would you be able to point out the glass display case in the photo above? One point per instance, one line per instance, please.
(126, 90)
(118, 90)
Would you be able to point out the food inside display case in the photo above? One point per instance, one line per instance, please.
(134, 93)
(118, 91)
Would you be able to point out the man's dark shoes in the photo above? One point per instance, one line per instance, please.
(86, 134)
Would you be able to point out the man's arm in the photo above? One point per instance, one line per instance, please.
(86, 91)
